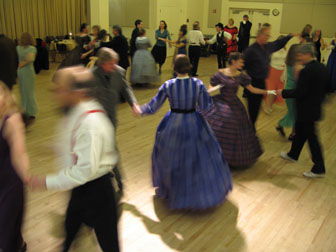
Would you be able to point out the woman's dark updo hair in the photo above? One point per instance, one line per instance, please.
(83, 26)
(142, 32)
(234, 56)
(101, 34)
(182, 64)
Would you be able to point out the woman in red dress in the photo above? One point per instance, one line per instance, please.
(233, 30)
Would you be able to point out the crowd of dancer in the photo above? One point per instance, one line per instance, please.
(197, 142)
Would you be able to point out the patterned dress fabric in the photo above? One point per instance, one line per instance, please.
(188, 166)
(230, 123)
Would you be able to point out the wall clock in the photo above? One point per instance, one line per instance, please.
(275, 12)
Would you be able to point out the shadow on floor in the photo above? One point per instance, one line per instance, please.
(211, 230)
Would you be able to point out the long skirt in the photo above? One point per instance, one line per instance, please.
(159, 53)
(188, 165)
(273, 82)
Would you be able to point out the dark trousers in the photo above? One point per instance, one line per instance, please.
(194, 55)
(243, 43)
(254, 100)
(94, 205)
(303, 132)
(221, 57)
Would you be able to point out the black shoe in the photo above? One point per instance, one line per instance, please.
(291, 138)
(281, 130)
(24, 248)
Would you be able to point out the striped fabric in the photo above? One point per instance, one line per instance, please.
(188, 166)
(230, 123)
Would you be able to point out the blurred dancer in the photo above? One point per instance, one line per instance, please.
(110, 87)
(14, 173)
(90, 154)
(309, 95)
(188, 166)
(228, 118)
(291, 67)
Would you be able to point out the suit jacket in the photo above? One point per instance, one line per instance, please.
(135, 34)
(310, 92)
(9, 61)
(120, 45)
(244, 30)
(109, 89)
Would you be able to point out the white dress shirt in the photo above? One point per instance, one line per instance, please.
(89, 147)
(278, 59)
(214, 38)
(195, 38)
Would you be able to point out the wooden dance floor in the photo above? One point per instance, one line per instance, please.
(272, 206)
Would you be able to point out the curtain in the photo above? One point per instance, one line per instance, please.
(41, 18)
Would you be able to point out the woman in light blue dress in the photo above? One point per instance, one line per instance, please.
(188, 165)
(26, 74)
(143, 65)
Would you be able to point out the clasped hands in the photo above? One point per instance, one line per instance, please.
(275, 92)
(36, 183)
(136, 109)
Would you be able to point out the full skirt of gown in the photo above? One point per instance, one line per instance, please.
(188, 166)
(234, 131)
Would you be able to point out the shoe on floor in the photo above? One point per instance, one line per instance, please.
(291, 138)
(310, 174)
(285, 156)
(280, 129)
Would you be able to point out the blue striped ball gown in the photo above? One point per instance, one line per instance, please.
(230, 122)
(188, 166)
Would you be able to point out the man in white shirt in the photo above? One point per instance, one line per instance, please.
(221, 44)
(195, 39)
(90, 155)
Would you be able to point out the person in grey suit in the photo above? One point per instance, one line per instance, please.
(111, 84)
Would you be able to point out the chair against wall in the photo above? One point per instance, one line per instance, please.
(61, 50)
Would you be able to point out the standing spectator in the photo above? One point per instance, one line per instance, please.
(331, 65)
(309, 95)
(220, 39)
(26, 74)
(159, 50)
(233, 30)
(195, 39)
(8, 61)
(14, 173)
(135, 33)
(244, 33)
(257, 64)
(90, 154)
(319, 43)
(85, 43)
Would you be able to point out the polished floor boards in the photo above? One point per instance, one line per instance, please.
(272, 207)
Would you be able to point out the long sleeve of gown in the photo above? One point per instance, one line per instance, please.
(155, 104)
(204, 99)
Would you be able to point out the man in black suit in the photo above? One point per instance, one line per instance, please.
(309, 94)
(244, 34)
(110, 85)
(135, 33)
(8, 61)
